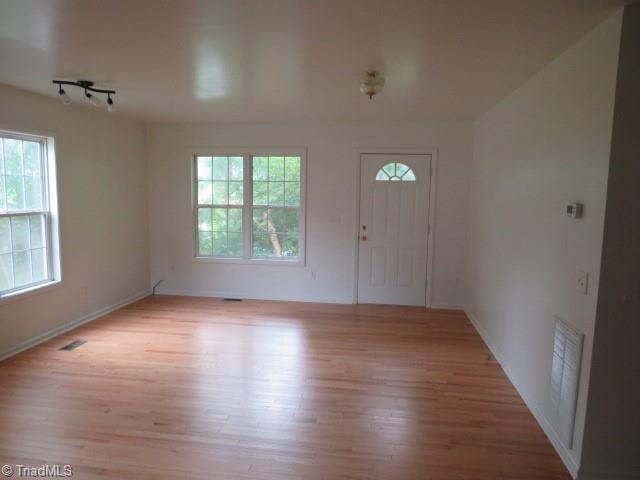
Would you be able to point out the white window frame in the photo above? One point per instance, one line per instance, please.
(50, 211)
(247, 207)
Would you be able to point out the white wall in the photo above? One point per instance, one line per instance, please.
(103, 214)
(331, 207)
(544, 145)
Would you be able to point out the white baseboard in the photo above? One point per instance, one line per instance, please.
(275, 298)
(32, 342)
(446, 306)
(565, 454)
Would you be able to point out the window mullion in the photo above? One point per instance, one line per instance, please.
(247, 210)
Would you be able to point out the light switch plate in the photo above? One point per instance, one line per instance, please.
(583, 282)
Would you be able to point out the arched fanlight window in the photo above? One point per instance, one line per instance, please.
(395, 172)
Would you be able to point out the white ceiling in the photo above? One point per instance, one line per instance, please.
(264, 60)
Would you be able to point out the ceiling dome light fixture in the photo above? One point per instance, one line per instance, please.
(88, 87)
(371, 83)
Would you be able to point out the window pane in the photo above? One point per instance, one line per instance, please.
(36, 230)
(382, 176)
(33, 193)
(205, 193)
(260, 193)
(31, 158)
(205, 223)
(289, 245)
(292, 169)
(14, 192)
(236, 193)
(260, 220)
(219, 219)
(274, 232)
(235, 220)
(12, 157)
(220, 193)
(235, 248)
(276, 168)
(390, 169)
(3, 203)
(21, 268)
(204, 168)
(283, 220)
(274, 245)
(205, 243)
(260, 168)
(401, 169)
(20, 233)
(1, 156)
(5, 235)
(6, 271)
(236, 168)
(276, 193)
(39, 264)
(220, 168)
(292, 194)
(219, 243)
(261, 245)
(409, 177)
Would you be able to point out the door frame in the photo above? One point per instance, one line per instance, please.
(431, 211)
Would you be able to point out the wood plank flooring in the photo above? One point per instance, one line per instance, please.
(185, 387)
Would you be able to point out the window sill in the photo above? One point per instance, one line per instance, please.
(29, 291)
(251, 261)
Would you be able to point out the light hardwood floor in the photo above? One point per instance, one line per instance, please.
(177, 387)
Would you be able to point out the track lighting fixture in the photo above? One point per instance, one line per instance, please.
(88, 87)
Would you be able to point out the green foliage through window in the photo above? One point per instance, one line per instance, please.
(274, 210)
(23, 231)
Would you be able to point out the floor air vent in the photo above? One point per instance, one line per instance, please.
(565, 375)
(73, 345)
(232, 299)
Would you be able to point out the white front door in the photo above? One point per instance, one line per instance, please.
(394, 206)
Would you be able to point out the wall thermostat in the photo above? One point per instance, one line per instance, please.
(574, 210)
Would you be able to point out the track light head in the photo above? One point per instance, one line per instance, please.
(110, 106)
(63, 95)
(95, 101)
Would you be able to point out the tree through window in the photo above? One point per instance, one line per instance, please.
(249, 206)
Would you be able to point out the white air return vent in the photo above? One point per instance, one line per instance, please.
(565, 375)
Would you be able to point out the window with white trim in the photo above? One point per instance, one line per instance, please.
(249, 207)
(27, 256)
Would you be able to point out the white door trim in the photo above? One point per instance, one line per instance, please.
(432, 210)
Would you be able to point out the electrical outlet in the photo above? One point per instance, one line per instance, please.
(583, 282)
